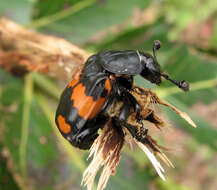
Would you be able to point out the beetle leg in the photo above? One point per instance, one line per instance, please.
(134, 102)
(108, 102)
(125, 111)
(123, 116)
(136, 106)
(124, 85)
(116, 124)
(132, 129)
(86, 136)
(141, 137)
(127, 83)
(145, 140)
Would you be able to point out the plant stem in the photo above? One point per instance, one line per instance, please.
(28, 90)
(60, 15)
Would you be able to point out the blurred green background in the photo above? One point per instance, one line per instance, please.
(34, 156)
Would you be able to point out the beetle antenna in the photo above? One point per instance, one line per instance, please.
(181, 84)
(156, 46)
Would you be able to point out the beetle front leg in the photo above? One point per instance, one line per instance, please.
(134, 102)
(136, 106)
(139, 136)
(132, 129)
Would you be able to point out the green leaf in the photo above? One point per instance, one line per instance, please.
(46, 85)
(19, 11)
(129, 177)
(190, 12)
(49, 7)
(199, 72)
(6, 179)
(204, 133)
(138, 38)
(170, 185)
(41, 150)
(82, 25)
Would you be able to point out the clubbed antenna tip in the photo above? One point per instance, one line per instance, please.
(184, 85)
(156, 46)
(181, 84)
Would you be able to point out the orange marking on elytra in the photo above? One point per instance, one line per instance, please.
(108, 86)
(63, 126)
(72, 83)
(87, 107)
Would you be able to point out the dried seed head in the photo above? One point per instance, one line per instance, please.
(106, 152)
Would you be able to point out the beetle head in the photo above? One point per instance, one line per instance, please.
(151, 69)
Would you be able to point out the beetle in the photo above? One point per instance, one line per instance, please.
(106, 77)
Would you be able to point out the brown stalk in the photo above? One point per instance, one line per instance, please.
(23, 51)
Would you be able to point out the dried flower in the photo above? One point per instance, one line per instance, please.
(106, 150)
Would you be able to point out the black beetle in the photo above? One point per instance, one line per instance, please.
(106, 77)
